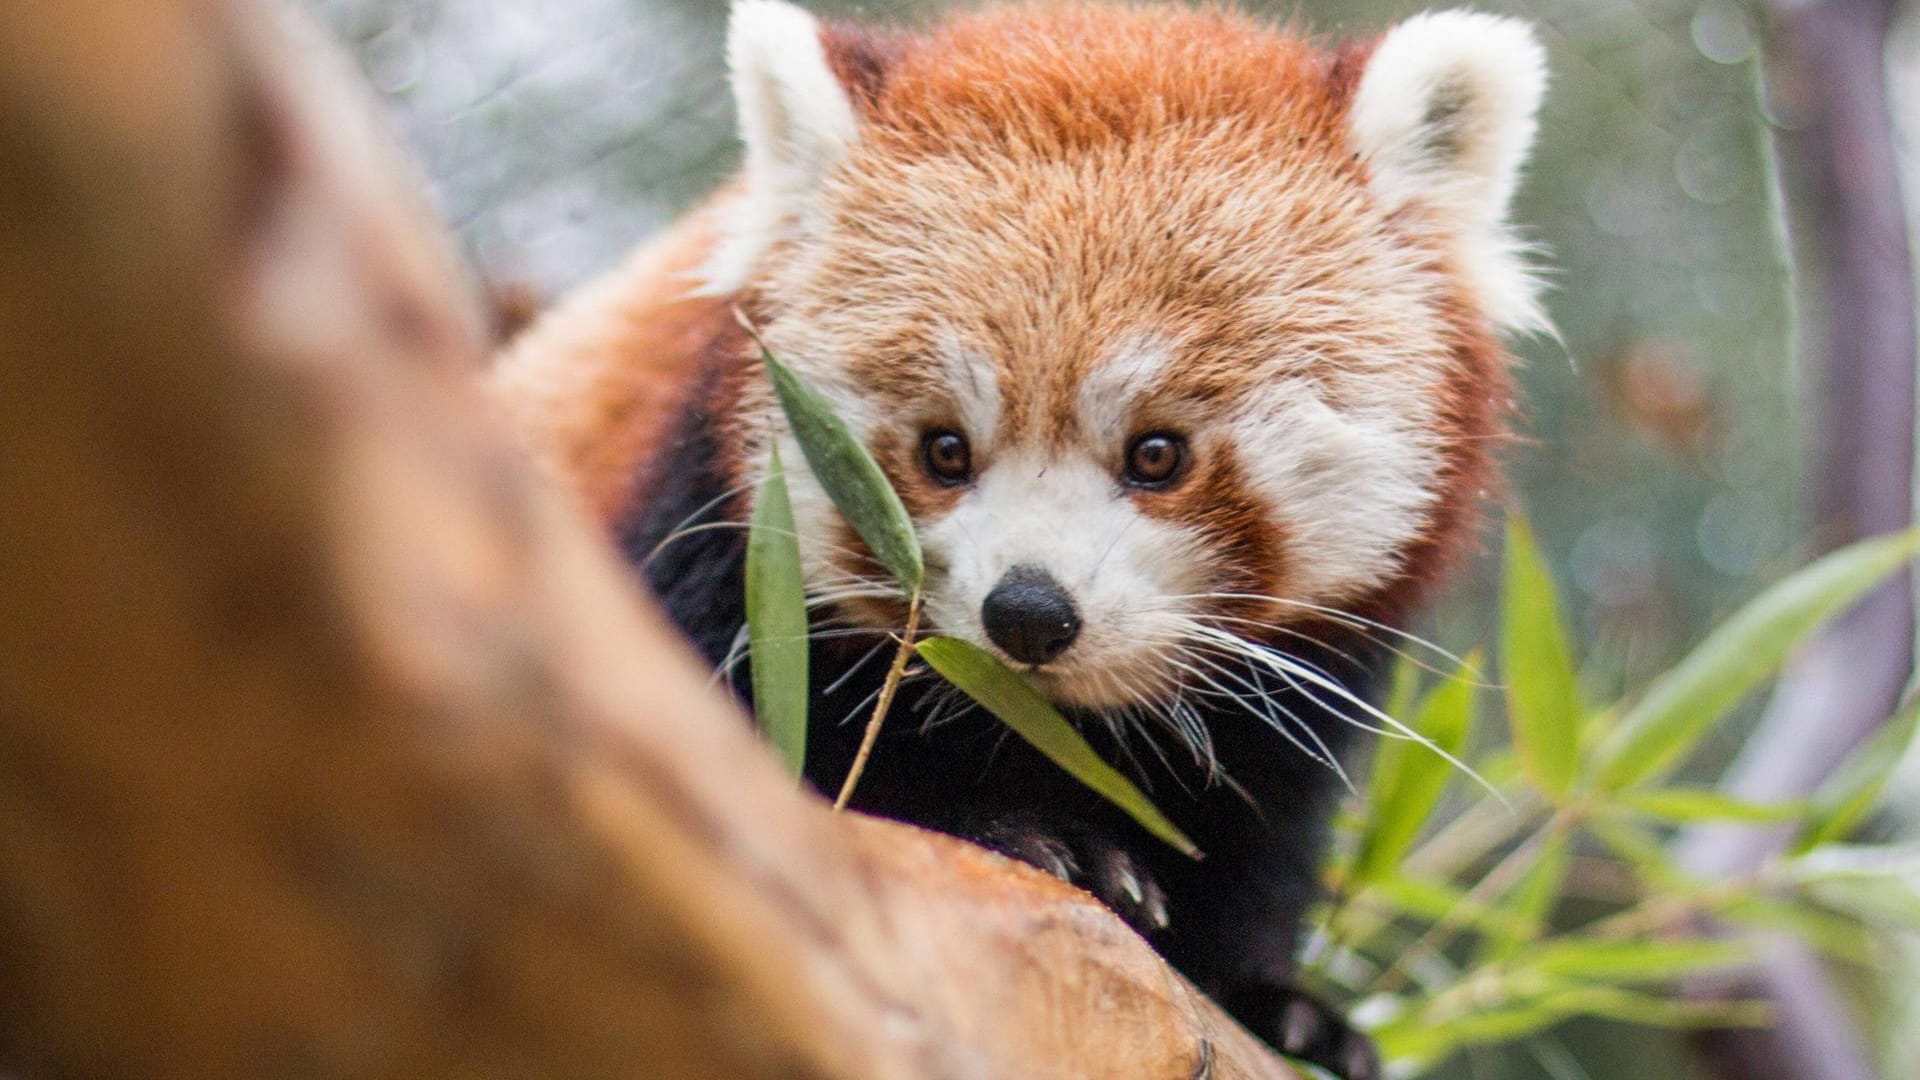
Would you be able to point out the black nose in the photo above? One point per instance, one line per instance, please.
(1030, 616)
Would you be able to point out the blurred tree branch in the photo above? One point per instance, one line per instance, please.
(1827, 76)
(330, 742)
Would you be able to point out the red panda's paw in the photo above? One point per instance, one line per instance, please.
(1084, 856)
(1302, 1027)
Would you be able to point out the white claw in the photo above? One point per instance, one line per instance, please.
(1157, 911)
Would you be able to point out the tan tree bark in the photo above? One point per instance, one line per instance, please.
(330, 742)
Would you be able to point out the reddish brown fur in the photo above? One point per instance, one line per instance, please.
(594, 384)
(1248, 540)
(1041, 85)
(1012, 98)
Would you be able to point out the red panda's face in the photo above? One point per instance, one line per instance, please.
(1170, 331)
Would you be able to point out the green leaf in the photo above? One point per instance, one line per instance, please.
(1690, 805)
(1006, 695)
(1404, 688)
(1500, 768)
(1683, 704)
(1875, 883)
(1543, 698)
(1435, 902)
(1597, 961)
(1855, 787)
(1613, 1003)
(1417, 1040)
(1408, 778)
(1858, 860)
(1839, 936)
(1883, 903)
(852, 479)
(777, 619)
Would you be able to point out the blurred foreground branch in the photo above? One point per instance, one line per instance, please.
(1827, 76)
(330, 743)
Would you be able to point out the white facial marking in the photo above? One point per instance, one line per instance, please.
(1351, 487)
(1107, 397)
(973, 385)
(1065, 517)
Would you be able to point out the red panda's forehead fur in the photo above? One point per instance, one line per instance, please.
(1053, 78)
(1050, 187)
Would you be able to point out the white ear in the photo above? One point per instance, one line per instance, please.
(796, 120)
(1444, 119)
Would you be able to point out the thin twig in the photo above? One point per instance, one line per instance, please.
(880, 707)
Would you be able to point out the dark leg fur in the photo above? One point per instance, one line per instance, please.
(1228, 922)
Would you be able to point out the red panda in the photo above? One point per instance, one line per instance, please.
(1180, 338)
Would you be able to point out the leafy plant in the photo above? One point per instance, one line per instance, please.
(1450, 931)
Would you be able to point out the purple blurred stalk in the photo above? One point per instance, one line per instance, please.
(1854, 275)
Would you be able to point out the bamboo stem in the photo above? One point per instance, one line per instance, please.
(887, 690)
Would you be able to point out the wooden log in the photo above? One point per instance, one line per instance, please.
(332, 743)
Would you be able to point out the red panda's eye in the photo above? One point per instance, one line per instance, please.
(1156, 459)
(947, 457)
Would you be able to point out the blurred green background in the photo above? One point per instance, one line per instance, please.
(1663, 425)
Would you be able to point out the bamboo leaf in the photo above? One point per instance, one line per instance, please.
(1683, 704)
(1598, 961)
(1858, 860)
(1839, 936)
(852, 479)
(1543, 698)
(1855, 787)
(1404, 687)
(1408, 778)
(1500, 767)
(1878, 884)
(1414, 1040)
(777, 619)
(1436, 902)
(1690, 805)
(1008, 696)
(1613, 1003)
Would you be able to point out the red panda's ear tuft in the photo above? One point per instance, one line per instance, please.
(797, 124)
(1444, 118)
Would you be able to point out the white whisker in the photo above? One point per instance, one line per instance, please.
(1260, 703)
(685, 525)
(735, 652)
(1344, 618)
(1292, 669)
